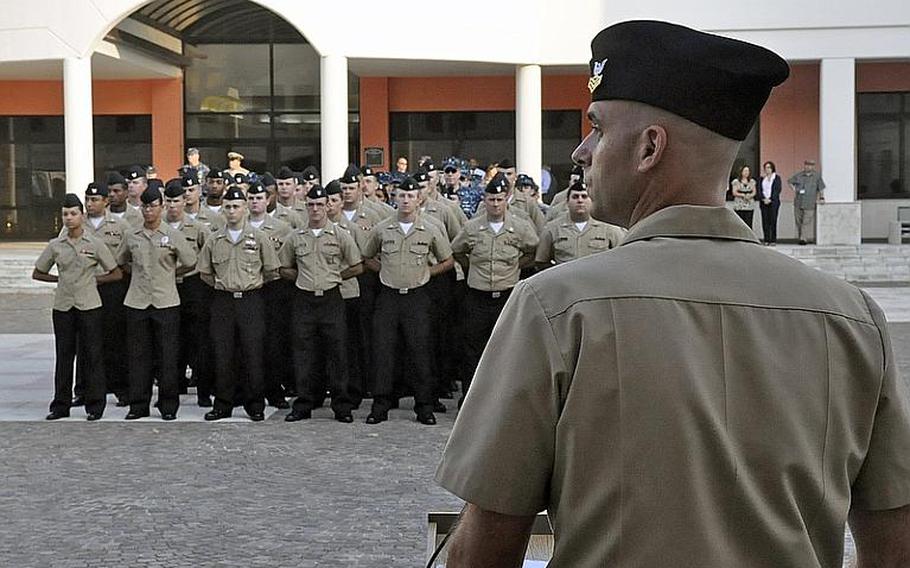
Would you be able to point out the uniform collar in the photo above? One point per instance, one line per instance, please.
(507, 224)
(691, 221)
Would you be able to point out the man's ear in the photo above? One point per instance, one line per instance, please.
(651, 145)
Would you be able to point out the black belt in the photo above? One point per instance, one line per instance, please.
(240, 295)
(319, 293)
(402, 291)
(490, 293)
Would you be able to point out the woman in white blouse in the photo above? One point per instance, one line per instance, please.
(769, 201)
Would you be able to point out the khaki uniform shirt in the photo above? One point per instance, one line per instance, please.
(405, 259)
(365, 217)
(561, 241)
(350, 288)
(78, 262)
(560, 197)
(493, 259)
(153, 257)
(242, 266)
(211, 220)
(319, 259)
(195, 233)
(381, 209)
(275, 230)
(460, 217)
(807, 187)
(111, 230)
(132, 216)
(556, 210)
(690, 399)
(522, 201)
(444, 215)
(289, 215)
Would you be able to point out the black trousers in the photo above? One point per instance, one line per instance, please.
(78, 330)
(239, 327)
(320, 327)
(369, 291)
(482, 309)
(401, 326)
(154, 337)
(195, 296)
(279, 361)
(769, 221)
(113, 316)
(358, 388)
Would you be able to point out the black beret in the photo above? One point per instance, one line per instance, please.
(333, 187)
(96, 189)
(189, 180)
(267, 179)
(309, 174)
(350, 174)
(409, 184)
(256, 187)
(151, 194)
(156, 184)
(114, 178)
(316, 192)
(234, 193)
(367, 171)
(241, 177)
(577, 186)
(215, 174)
(185, 171)
(499, 184)
(72, 200)
(524, 180)
(286, 173)
(578, 170)
(715, 82)
(174, 187)
(428, 165)
(136, 172)
(505, 164)
(421, 176)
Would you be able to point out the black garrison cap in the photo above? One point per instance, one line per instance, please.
(241, 177)
(428, 166)
(499, 184)
(715, 82)
(316, 192)
(156, 184)
(524, 180)
(72, 200)
(96, 189)
(367, 171)
(136, 172)
(505, 164)
(114, 178)
(151, 194)
(409, 184)
(309, 173)
(233, 193)
(285, 173)
(333, 187)
(256, 187)
(267, 179)
(350, 174)
(421, 176)
(578, 186)
(188, 180)
(578, 171)
(216, 174)
(174, 187)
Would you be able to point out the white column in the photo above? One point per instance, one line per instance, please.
(528, 121)
(839, 219)
(838, 128)
(334, 115)
(78, 132)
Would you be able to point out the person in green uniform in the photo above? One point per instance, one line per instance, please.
(83, 261)
(666, 403)
(809, 190)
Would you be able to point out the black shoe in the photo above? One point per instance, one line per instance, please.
(376, 418)
(257, 416)
(439, 407)
(92, 416)
(122, 401)
(298, 415)
(427, 419)
(169, 416)
(280, 404)
(78, 401)
(216, 415)
(344, 418)
(802, 242)
(57, 415)
(204, 402)
(136, 414)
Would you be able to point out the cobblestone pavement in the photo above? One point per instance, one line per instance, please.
(310, 494)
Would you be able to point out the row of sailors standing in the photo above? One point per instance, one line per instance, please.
(263, 293)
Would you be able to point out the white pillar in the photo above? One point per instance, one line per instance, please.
(333, 99)
(78, 132)
(528, 121)
(838, 128)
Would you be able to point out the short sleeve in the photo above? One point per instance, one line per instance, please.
(531, 240)
(884, 478)
(204, 259)
(441, 247)
(122, 256)
(349, 248)
(501, 451)
(105, 257)
(460, 244)
(286, 254)
(371, 247)
(269, 255)
(46, 261)
(545, 247)
(821, 184)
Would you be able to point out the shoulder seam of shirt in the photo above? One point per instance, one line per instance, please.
(713, 303)
(549, 324)
(881, 338)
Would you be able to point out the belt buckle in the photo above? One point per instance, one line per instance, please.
(402, 290)
(318, 293)
(497, 294)
(238, 294)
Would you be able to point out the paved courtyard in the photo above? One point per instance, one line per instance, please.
(147, 493)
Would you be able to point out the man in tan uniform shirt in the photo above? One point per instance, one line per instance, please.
(576, 234)
(690, 398)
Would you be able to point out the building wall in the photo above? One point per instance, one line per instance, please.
(161, 98)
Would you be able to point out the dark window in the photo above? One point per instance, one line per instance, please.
(748, 156)
(883, 151)
(487, 136)
(32, 177)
